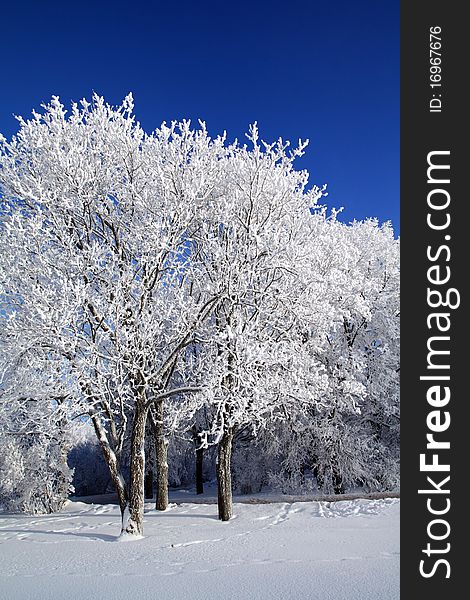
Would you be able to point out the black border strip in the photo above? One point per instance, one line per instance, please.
(424, 132)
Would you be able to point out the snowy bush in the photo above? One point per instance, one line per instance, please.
(34, 476)
(35, 437)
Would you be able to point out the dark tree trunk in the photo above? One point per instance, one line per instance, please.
(149, 485)
(161, 452)
(224, 476)
(318, 471)
(199, 452)
(319, 474)
(112, 463)
(199, 465)
(134, 523)
(338, 485)
(161, 446)
(149, 459)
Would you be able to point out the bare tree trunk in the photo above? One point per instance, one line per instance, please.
(224, 476)
(199, 465)
(161, 446)
(134, 522)
(149, 485)
(149, 460)
(319, 474)
(112, 463)
(199, 460)
(338, 485)
(161, 452)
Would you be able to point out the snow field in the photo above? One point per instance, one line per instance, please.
(343, 550)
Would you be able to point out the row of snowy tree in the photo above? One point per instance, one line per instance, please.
(174, 290)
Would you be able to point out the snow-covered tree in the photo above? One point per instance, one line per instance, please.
(151, 279)
(97, 219)
(35, 437)
(259, 250)
(350, 437)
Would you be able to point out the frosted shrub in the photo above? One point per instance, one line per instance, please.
(34, 477)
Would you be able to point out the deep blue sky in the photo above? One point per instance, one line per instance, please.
(327, 71)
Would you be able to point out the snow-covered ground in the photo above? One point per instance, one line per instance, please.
(347, 550)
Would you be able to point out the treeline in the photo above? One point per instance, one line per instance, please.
(182, 295)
